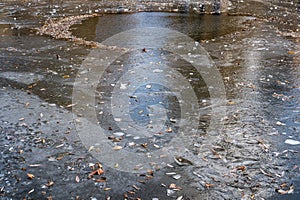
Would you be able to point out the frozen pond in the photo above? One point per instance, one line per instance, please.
(173, 105)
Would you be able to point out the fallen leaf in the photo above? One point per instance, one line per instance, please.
(116, 148)
(61, 145)
(283, 185)
(70, 105)
(31, 176)
(102, 179)
(106, 189)
(230, 102)
(91, 148)
(216, 153)
(169, 130)
(176, 177)
(205, 159)
(150, 172)
(145, 145)
(136, 187)
(60, 158)
(96, 172)
(182, 161)
(77, 179)
(172, 186)
(131, 192)
(288, 190)
(208, 185)
(31, 191)
(278, 123)
(291, 52)
(242, 168)
(50, 183)
(141, 181)
(263, 145)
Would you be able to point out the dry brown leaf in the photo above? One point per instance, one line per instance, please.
(216, 153)
(230, 102)
(285, 189)
(205, 159)
(96, 172)
(50, 183)
(291, 52)
(31, 176)
(145, 145)
(141, 181)
(169, 130)
(150, 172)
(242, 168)
(136, 187)
(208, 185)
(283, 185)
(131, 192)
(102, 179)
(59, 158)
(263, 145)
(172, 186)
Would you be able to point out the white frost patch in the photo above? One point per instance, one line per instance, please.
(123, 86)
(157, 71)
(291, 142)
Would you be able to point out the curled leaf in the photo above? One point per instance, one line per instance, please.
(50, 183)
(31, 176)
(242, 168)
